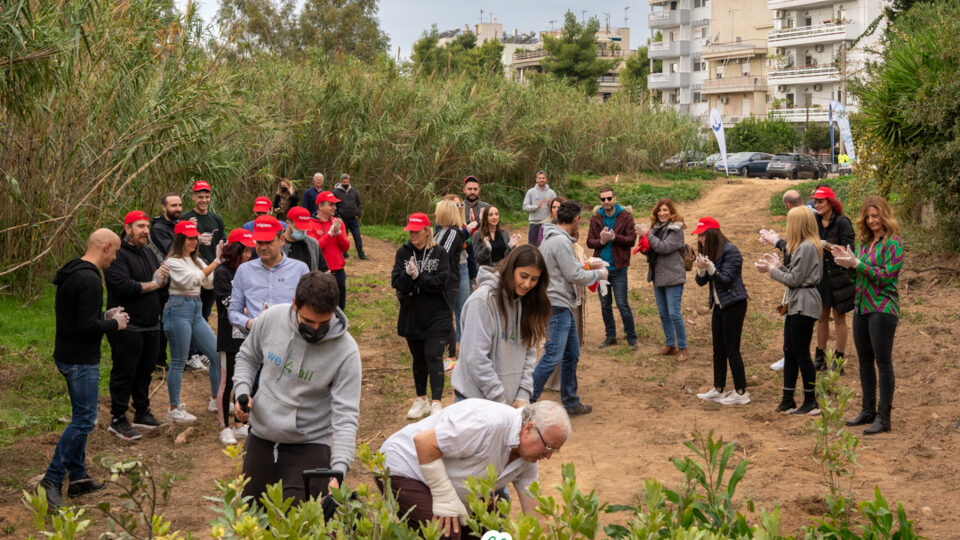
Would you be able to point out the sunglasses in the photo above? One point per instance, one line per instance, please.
(606, 199)
(460, 205)
(545, 447)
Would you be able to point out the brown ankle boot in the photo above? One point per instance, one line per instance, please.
(681, 354)
(667, 351)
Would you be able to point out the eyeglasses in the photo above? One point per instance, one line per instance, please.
(545, 447)
(606, 199)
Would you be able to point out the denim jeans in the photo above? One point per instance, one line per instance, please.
(71, 452)
(353, 225)
(183, 324)
(668, 305)
(562, 347)
(462, 293)
(618, 291)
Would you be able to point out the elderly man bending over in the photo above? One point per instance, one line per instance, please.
(430, 461)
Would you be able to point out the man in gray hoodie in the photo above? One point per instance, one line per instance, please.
(309, 390)
(537, 204)
(566, 274)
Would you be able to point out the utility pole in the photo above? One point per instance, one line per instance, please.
(481, 16)
(625, 18)
(583, 16)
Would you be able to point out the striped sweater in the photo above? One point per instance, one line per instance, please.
(876, 276)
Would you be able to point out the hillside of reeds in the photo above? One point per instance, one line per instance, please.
(105, 106)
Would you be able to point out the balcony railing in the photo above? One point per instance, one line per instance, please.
(828, 71)
(668, 49)
(735, 49)
(661, 81)
(536, 53)
(667, 18)
(734, 84)
(817, 30)
(789, 4)
(800, 114)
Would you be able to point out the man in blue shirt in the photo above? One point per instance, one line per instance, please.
(268, 280)
(611, 236)
(310, 195)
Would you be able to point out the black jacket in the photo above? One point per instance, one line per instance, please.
(78, 306)
(424, 308)
(222, 289)
(161, 234)
(349, 206)
(132, 267)
(727, 279)
(452, 241)
(838, 232)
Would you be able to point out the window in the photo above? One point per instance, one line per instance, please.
(699, 66)
(703, 32)
(700, 3)
(745, 68)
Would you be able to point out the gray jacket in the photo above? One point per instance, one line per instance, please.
(668, 269)
(563, 267)
(349, 206)
(309, 392)
(494, 364)
(532, 199)
(801, 277)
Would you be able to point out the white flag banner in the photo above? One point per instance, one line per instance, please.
(843, 122)
(716, 124)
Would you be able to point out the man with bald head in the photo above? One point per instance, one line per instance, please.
(81, 324)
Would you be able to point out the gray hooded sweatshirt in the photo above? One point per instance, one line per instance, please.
(494, 364)
(563, 267)
(309, 392)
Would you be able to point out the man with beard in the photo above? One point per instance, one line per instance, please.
(472, 204)
(161, 228)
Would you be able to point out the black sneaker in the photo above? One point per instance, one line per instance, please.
(122, 428)
(808, 407)
(364, 257)
(146, 421)
(84, 486)
(608, 342)
(580, 409)
(632, 345)
(53, 493)
(786, 405)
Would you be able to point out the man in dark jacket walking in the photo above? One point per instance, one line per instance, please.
(134, 280)
(80, 325)
(349, 210)
(611, 236)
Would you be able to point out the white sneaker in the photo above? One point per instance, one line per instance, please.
(195, 363)
(734, 398)
(180, 415)
(421, 407)
(241, 432)
(227, 437)
(204, 360)
(449, 364)
(435, 408)
(778, 365)
(212, 406)
(711, 395)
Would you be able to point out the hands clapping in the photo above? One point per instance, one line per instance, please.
(514, 240)
(412, 270)
(769, 236)
(161, 275)
(606, 235)
(642, 229)
(844, 256)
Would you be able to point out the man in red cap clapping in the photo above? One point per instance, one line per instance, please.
(332, 237)
(134, 280)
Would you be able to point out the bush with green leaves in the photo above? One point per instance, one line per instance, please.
(754, 134)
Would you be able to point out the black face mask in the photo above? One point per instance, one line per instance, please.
(311, 334)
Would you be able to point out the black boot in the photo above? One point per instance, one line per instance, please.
(819, 360)
(865, 417)
(53, 492)
(786, 402)
(837, 355)
(881, 423)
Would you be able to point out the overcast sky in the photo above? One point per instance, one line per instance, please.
(405, 20)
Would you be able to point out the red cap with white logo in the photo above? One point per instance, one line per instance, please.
(135, 215)
(201, 185)
(705, 223)
(300, 217)
(266, 228)
(186, 228)
(262, 204)
(243, 236)
(417, 222)
(823, 193)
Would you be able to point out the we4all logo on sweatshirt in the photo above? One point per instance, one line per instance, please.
(286, 365)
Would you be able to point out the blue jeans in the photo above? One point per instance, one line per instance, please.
(353, 225)
(562, 347)
(183, 324)
(71, 452)
(618, 290)
(668, 305)
(462, 293)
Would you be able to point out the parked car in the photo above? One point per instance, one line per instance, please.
(746, 164)
(713, 159)
(683, 160)
(795, 166)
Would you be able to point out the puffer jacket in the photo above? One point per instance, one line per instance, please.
(666, 245)
(838, 232)
(727, 279)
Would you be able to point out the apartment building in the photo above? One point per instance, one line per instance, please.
(806, 39)
(493, 30)
(685, 29)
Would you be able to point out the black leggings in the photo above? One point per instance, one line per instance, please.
(873, 337)
(227, 361)
(797, 333)
(727, 326)
(428, 363)
(267, 463)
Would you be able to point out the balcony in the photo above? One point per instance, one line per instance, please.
(793, 4)
(735, 49)
(734, 84)
(667, 18)
(804, 74)
(668, 49)
(805, 35)
(800, 114)
(664, 81)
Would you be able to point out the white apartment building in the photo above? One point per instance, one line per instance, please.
(685, 27)
(807, 36)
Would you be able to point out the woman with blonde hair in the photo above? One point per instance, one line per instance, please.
(802, 300)
(452, 237)
(876, 268)
(667, 272)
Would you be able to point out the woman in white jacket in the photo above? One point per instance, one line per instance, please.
(183, 321)
(504, 321)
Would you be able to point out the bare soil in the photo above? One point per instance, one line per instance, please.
(644, 405)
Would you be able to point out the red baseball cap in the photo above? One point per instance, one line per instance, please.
(823, 193)
(243, 236)
(135, 215)
(471, 178)
(186, 228)
(201, 185)
(706, 223)
(417, 222)
(325, 196)
(300, 217)
(262, 204)
(265, 228)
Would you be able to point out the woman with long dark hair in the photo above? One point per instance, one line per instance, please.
(492, 243)
(421, 276)
(720, 265)
(667, 272)
(505, 320)
(801, 277)
(238, 250)
(836, 288)
(876, 267)
(183, 320)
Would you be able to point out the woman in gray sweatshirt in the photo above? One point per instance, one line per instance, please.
(802, 300)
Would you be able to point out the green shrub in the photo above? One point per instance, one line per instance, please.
(850, 190)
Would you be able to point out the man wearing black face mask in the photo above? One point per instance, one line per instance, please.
(307, 408)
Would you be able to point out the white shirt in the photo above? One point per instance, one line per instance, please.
(471, 434)
(186, 278)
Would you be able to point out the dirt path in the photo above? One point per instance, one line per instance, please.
(644, 405)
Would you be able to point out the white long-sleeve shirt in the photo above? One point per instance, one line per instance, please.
(186, 277)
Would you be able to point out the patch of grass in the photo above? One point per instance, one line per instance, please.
(682, 174)
(390, 233)
(641, 196)
(913, 316)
